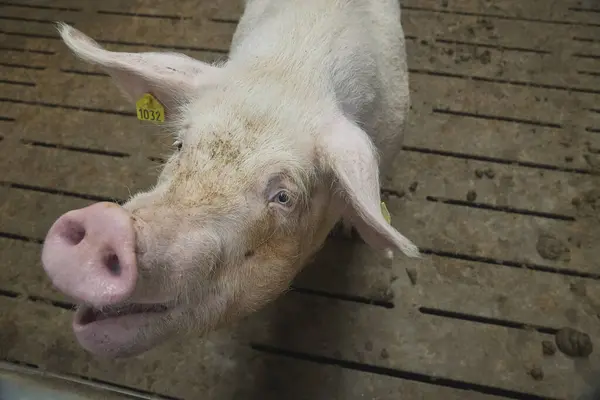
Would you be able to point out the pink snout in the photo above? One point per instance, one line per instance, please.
(89, 254)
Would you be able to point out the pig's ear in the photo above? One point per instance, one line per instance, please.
(350, 155)
(170, 77)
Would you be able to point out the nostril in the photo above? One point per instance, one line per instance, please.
(73, 232)
(113, 265)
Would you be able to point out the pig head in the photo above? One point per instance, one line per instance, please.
(266, 160)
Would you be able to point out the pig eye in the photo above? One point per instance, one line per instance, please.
(283, 197)
(178, 144)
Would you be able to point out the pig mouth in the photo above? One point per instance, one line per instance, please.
(122, 331)
(86, 315)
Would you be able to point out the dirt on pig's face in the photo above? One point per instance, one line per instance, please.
(234, 215)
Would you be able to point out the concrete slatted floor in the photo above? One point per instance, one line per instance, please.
(498, 183)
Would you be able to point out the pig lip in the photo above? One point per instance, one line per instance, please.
(86, 315)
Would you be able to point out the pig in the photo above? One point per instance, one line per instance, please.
(274, 148)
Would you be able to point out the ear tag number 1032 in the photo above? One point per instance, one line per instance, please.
(148, 108)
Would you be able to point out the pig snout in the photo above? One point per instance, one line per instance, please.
(89, 254)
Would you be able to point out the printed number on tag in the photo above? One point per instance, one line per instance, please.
(149, 115)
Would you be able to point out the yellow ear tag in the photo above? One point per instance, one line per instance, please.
(148, 108)
(386, 213)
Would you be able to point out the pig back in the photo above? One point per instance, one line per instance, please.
(357, 45)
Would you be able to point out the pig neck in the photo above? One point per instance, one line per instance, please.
(314, 52)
